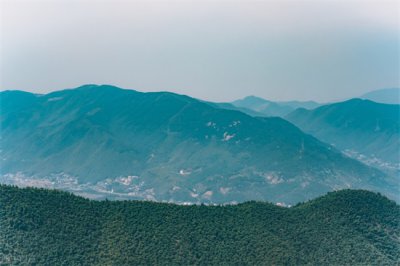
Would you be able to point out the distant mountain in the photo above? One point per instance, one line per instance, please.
(269, 108)
(230, 106)
(389, 96)
(367, 130)
(102, 141)
(42, 227)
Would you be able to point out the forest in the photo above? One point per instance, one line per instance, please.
(49, 227)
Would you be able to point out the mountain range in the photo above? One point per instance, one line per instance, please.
(257, 106)
(103, 141)
(349, 227)
(365, 130)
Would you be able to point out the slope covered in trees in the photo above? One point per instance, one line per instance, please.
(44, 227)
(369, 128)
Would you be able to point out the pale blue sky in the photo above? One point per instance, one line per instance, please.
(216, 50)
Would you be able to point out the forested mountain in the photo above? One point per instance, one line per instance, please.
(43, 227)
(365, 129)
(389, 96)
(270, 108)
(108, 142)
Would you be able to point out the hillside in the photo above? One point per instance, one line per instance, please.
(271, 108)
(43, 227)
(367, 130)
(102, 141)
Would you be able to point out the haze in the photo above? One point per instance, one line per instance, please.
(213, 50)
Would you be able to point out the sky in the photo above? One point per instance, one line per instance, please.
(217, 50)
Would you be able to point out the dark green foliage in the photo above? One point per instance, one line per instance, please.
(349, 227)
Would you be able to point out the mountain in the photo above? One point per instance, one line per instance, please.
(43, 227)
(269, 108)
(230, 106)
(102, 141)
(367, 130)
(388, 96)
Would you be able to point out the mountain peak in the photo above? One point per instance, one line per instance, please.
(253, 97)
(97, 87)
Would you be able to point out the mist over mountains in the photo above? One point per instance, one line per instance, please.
(389, 96)
(103, 141)
(252, 143)
(271, 108)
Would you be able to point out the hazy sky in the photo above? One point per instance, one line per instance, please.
(216, 50)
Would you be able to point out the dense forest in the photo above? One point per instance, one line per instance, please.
(47, 227)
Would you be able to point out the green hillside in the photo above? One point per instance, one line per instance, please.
(369, 128)
(44, 227)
